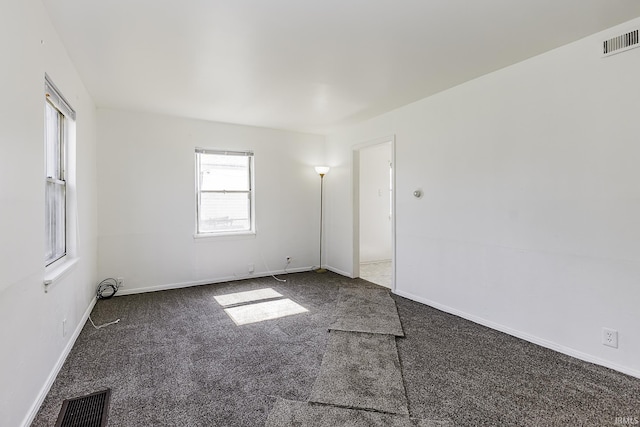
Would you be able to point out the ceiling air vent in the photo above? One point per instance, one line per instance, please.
(621, 43)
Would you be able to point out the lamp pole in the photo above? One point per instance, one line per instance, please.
(322, 171)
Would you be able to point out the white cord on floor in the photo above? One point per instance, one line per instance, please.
(278, 279)
(269, 270)
(102, 326)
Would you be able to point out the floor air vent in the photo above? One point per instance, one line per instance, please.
(621, 43)
(86, 411)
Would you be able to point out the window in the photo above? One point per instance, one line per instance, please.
(57, 114)
(224, 187)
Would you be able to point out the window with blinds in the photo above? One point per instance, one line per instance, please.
(224, 187)
(57, 114)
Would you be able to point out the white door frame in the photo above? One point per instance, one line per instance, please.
(355, 161)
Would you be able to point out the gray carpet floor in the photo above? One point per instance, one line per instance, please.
(177, 359)
(361, 371)
(366, 310)
(287, 413)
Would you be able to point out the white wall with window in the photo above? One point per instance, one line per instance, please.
(59, 137)
(32, 335)
(149, 198)
(224, 192)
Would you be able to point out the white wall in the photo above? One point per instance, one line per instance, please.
(529, 220)
(30, 319)
(375, 219)
(146, 182)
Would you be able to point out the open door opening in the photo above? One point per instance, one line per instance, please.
(373, 164)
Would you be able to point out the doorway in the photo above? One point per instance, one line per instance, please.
(373, 165)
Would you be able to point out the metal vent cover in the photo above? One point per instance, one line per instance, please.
(85, 411)
(620, 43)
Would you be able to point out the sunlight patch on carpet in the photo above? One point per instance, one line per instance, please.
(247, 296)
(261, 311)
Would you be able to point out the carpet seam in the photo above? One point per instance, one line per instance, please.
(404, 385)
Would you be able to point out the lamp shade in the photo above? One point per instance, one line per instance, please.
(322, 170)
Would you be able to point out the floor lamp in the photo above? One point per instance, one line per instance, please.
(322, 171)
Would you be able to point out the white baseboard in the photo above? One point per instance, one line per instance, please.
(340, 272)
(523, 335)
(179, 285)
(33, 411)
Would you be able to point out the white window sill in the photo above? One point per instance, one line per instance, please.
(58, 270)
(241, 235)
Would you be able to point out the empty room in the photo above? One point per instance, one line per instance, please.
(319, 213)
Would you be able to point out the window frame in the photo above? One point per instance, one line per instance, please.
(64, 114)
(199, 233)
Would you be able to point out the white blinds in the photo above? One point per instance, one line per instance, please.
(223, 152)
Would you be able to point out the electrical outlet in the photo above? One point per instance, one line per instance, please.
(64, 328)
(252, 268)
(610, 337)
(120, 281)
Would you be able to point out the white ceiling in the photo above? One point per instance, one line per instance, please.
(306, 65)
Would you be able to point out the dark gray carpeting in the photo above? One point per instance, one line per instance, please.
(366, 310)
(176, 358)
(475, 376)
(287, 413)
(361, 371)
